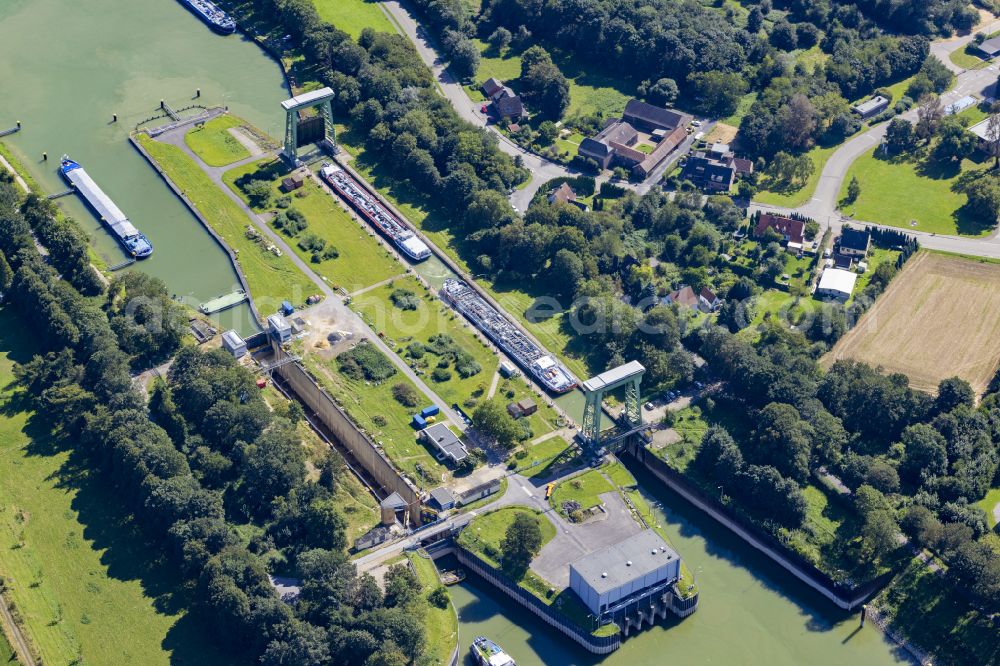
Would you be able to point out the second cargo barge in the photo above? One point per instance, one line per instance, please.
(377, 215)
(543, 367)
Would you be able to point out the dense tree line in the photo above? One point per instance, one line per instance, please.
(388, 94)
(909, 457)
(215, 454)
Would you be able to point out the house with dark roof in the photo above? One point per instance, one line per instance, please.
(445, 442)
(615, 145)
(709, 174)
(791, 230)
(990, 48)
(506, 104)
(685, 296)
(854, 242)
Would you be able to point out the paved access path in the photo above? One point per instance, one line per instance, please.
(176, 138)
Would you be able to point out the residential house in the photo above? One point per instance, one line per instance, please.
(567, 195)
(506, 104)
(855, 242)
(990, 48)
(615, 144)
(704, 300)
(708, 173)
(791, 230)
(872, 107)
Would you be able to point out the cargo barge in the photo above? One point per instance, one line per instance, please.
(543, 367)
(136, 244)
(377, 215)
(212, 16)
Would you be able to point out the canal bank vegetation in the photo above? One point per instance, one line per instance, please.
(337, 247)
(379, 408)
(272, 278)
(838, 466)
(214, 143)
(435, 608)
(216, 480)
(432, 338)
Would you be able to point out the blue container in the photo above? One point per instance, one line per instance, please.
(286, 308)
(419, 421)
(433, 410)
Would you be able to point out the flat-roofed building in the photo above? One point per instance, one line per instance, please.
(234, 344)
(837, 283)
(990, 48)
(279, 328)
(625, 572)
(872, 107)
(445, 442)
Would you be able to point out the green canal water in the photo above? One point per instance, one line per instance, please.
(67, 65)
(751, 612)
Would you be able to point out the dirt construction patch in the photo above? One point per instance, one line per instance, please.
(939, 318)
(722, 133)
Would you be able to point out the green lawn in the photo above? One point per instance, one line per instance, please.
(213, 143)
(987, 503)
(876, 256)
(363, 260)
(485, 532)
(87, 585)
(440, 624)
(539, 455)
(968, 58)
(353, 16)
(619, 475)
(742, 109)
(7, 655)
(271, 278)
(896, 192)
(430, 318)
(543, 421)
(819, 157)
(368, 404)
(583, 489)
(926, 610)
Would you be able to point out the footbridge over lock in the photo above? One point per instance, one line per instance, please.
(629, 424)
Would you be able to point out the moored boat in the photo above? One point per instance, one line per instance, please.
(488, 653)
(135, 243)
(215, 18)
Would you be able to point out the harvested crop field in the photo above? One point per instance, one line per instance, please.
(939, 318)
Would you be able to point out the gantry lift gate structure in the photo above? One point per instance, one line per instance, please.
(321, 98)
(630, 421)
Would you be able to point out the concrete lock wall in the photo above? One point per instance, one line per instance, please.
(349, 436)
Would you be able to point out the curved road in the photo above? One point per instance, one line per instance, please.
(822, 206)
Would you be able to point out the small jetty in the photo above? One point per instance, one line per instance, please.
(64, 193)
(12, 130)
(223, 302)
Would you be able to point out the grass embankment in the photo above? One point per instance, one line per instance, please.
(353, 16)
(686, 584)
(538, 456)
(900, 191)
(373, 408)
(213, 142)
(357, 505)
(926, 610)
(440, 624)
(362, 260)
(87, 586)
(429, 318)
(7, 655)
(584, 489)
(272, 279)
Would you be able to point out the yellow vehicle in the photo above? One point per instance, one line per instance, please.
(548, 490)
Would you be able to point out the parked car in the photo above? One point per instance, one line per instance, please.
(482, 109)
(648, 406)
(696, 123)
(699, 385)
